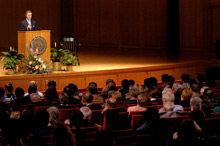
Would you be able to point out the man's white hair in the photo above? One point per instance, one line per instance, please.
(87, 113)
(168, 96)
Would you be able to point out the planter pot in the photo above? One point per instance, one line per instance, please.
(69, 68)
(10, 71)
(63, 67)
(56, 66)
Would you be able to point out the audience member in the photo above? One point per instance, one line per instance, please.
(188, 133)
(74, 90)
(87, 99)
(53, 115)
(62, 135)
(185, 78)
(117, 95)
(125, 87)
(195, 103)
(97, 98)
(69, 91)
(15, 110)
(199, 117)
(133, 93)
(63, 100)
(2, 94)
(200, 79)
(131, 83)
(19, 92)
(109, 83)
(160, 128)
(195, 88)
(9, 92)
(142, 101)
(169, 109)
(42, 119)
(51, 92)
(185, 97)
(87, 114)
(33, 84)
(35, 98)
(164, 79)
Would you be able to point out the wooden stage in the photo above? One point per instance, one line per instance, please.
(98, 68)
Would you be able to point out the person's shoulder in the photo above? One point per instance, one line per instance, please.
(23, 21)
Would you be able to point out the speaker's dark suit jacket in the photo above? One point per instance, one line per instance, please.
(24, 24)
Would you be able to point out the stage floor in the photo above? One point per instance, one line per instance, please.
(108, 59)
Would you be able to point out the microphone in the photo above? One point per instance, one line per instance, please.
(39, 27)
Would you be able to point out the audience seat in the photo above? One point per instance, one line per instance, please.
(126, 137)
(90, 129)
(123, 121)
(86, 142)
(40, 108)
(176, 121)
(136, 121)
(95, 115)
(146, 140)
(65, 113)
(212, 126)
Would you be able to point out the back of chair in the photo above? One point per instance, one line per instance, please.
(176, 121)
(65, 113)
(136, 121)
(212, 126)
(95, 115)
(41, 108)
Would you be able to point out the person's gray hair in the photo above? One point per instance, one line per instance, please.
(168, 96)
(53, 115)
(196, 103)
(87, 113)
(134, 91)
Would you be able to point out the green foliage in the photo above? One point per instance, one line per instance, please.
(57, 54)
(11, 59)
(68, 59)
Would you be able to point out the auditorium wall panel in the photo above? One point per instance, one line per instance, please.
(214, 25)
(121, 23)
(154, 23)
(193, 28)
(108, 24)
(87, 22)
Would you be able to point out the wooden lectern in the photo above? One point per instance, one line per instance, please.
(25, 37)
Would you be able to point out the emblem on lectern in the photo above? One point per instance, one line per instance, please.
(39, 43)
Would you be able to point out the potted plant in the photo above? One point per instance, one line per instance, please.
(55, 55)
(68, 60)
(11, 60)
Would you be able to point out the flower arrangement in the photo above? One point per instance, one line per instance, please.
(34, 64)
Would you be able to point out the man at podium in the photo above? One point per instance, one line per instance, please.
(28, 24)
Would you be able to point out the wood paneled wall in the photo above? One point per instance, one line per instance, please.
(121, 23)
(45, 12)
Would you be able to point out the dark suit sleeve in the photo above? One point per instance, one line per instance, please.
(22, 27)
(34, 26)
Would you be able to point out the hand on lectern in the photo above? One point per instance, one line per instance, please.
(29, 27)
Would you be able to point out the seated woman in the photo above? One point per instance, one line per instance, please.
(142, 100)
(188, 133)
